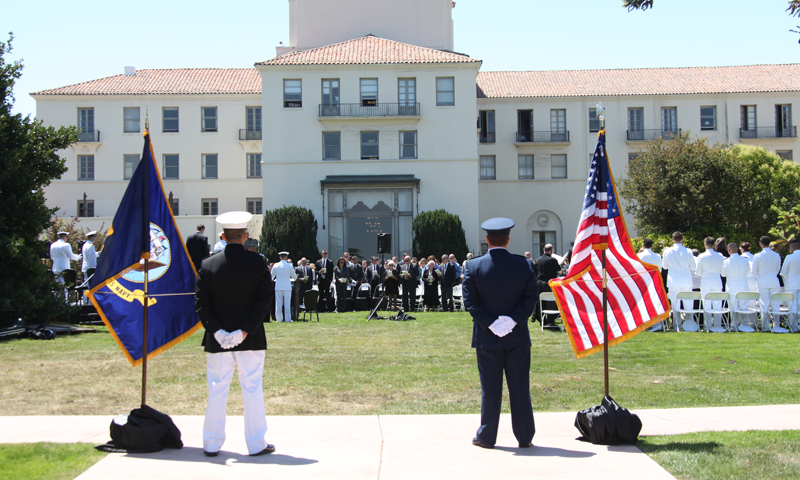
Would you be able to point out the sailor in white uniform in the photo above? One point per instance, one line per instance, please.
(680, 263)
(766, 267)
(791, 281)
(736, 269)
(89, 252)
(220, 246)
(649, 256)
(61, 254)
(282, 274)
(709, 269)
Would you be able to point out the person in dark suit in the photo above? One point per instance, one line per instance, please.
(548, 268)
(232, 299)
(197, 244)
(341, 274)
(305, 280)
(324, 268)
(374, 277)
(409, 274)
(500, 293)
(448, 268)
(356, 275)
(391, 282)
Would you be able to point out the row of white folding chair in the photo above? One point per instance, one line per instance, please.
(741, 298)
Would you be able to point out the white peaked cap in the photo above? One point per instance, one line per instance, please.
(234, 220)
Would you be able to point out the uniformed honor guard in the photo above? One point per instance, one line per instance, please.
(61, 254)
(283, 273)
(500, 292)
(89, 252)
(234, 293)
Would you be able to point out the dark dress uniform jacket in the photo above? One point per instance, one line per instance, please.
(499, 283)
(234, 292)
(197, 244)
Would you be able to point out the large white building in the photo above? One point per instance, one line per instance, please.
(370, 123)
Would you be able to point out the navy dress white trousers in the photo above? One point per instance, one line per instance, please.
(219, 369)
(516, 362)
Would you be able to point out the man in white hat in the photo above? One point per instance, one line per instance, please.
(282, 274)
(89, 252)
(234, 294)
(61, 254)
(220, 246)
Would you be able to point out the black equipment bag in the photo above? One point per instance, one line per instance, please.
(144, 430)
(608, 424)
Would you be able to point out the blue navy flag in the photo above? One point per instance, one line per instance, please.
(144, 227)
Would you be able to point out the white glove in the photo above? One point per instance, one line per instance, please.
(233, 339)
(220, 336)
(502, 326)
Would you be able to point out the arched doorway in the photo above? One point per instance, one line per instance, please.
(545, 227)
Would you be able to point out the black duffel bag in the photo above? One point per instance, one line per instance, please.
(608, 424)
(144, 430)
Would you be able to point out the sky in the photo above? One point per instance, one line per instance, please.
(62, 43)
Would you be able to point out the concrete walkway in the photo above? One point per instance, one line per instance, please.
(395, 447)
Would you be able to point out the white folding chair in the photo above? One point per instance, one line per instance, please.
(678, 311)
(546, 297)
(457, 300)
(724, 310)
(780, 297)
(744, 298)
(420, 298)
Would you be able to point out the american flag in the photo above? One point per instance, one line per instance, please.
(636, 295)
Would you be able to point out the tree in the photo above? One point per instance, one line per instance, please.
(291, 229)
(438, 233)
(793, 8)
(28, 163)
(701, 190)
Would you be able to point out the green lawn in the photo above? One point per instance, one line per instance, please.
(761, 455)
(52, 461)
(345, 365)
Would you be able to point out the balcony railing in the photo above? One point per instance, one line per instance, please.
(245, 134)
(89, 136)
(768, 132)
(542, 137)
(651, 134)
(377, 110)
(486, 137)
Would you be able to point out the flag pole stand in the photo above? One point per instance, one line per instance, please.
(144, 336)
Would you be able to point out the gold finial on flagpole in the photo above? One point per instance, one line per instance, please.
(147, 119)
(601, 115)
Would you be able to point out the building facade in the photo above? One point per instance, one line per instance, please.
(368, 129)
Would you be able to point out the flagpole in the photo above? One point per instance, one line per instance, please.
(144, 337)
(605, 324)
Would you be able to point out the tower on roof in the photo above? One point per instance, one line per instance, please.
(316, 23)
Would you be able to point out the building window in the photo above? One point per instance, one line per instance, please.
(369, 145)
(369, 92)
(330, 92)
(783, 121)
(209, 206)
(633, 156)
(525, 167)
(86, 208)
(524, 125)
(292, 93)
(708, 118)
(487, 167)
(748, 118)
(408, 144)
(85, 167)
(558, 125)
(407, 95)
(484, 248)
(669, 119)
(131, 119)
(331, 146)
(209, 120)
(171, 164)
(170, 119)
(86, 124)
(594, 122)
(210, 165)
(253, 165)
(636, 123)
(175, 206)
(445, 91)
(540, 239)
(254, 206)
(130, 162)
(486, 118)
(785, 154)
(558, 167)
(253, 119)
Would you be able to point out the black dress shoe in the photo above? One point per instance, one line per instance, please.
(478, 443)
(270, 448)
(524, 445)
(210, 454)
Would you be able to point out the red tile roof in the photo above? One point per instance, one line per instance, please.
(182, 81)
(640, 81)
(368, 50)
